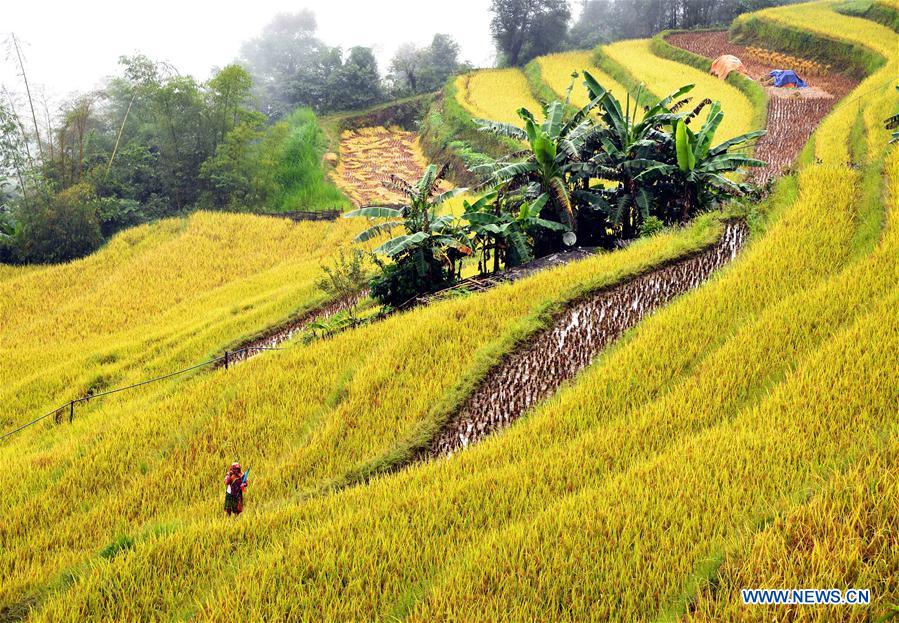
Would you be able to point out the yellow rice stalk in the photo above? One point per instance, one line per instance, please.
(663, 76)
(496, 94)
(556, 70)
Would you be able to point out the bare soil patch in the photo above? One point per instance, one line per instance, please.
(793, 114)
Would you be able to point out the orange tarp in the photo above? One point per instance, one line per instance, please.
(725, 64)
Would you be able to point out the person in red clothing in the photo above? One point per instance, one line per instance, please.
(234, 488)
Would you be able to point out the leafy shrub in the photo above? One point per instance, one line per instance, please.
(236, 175)
(414, 272)
(60, 228)
(346, 278)
(651, 226)
(116, 214)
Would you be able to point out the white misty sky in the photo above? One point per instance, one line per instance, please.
(72, 46)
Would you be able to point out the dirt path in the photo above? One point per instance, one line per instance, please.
(274, 336)
(791, 117)
(586, 327)
(369, 155)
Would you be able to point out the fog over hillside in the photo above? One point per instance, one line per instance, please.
(197, 36)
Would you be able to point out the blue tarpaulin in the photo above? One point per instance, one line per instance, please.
(786, 78)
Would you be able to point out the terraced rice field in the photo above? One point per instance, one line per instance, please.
(663, 76)
(791, 118)
(745, 435)
(130, 311)
(556, 70)
(323, 426)
(496, 94)
(872, 101)
(368, 156)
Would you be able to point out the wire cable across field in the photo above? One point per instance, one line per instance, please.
(71, 404)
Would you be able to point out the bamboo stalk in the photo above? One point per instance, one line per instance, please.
(115, 148)
(12, 110)
(37, 133)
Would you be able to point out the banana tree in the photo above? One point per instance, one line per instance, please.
(619, 149)
(503, 233)
(699, 171)
(428, 255)
(419, 218)
(542, 171)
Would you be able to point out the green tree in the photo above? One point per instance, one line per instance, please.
(619, 149)
(357, 83)
(292, 67)
(502, 234)
(594, 25)
(72, 152)
(60, 229)
(440, 61)
(229, 95)
(180, 137)
(607, 20)
(13, 156)
(284, 61)
(405, 69)
(231, 174)
(524, 29)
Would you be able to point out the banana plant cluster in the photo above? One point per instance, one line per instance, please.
(594, 176)
(430, 252)
(604, 174)
(428, 255)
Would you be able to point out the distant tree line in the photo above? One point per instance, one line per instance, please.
(150, 143)
(292, 67)
(525, 29)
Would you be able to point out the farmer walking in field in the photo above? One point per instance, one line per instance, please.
(235, 483)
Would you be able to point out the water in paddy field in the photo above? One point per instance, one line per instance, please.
(584, 329)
